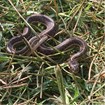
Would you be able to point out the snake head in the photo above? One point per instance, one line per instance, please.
(73, 65)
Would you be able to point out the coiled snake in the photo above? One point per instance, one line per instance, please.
(43, 36)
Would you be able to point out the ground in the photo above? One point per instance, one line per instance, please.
(46, 80)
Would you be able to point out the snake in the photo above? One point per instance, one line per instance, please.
(50, 31)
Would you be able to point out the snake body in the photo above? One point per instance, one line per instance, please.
(73, 60)
(44, 35)
(50, 31)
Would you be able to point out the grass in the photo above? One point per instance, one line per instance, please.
(45, 80)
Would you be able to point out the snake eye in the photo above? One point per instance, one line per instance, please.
(73, 65)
